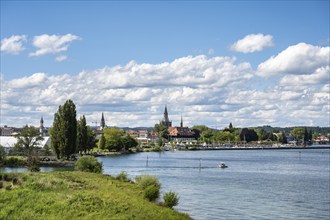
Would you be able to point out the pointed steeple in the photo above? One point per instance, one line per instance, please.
(166, 121)
(166, 114)
(102, 124)
(181, 123)
(41, 128)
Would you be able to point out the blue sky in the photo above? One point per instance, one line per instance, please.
(104, 34)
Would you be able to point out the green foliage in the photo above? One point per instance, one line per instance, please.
(2, 155)
(201, 128)
(122, 176)
(298, 133)
(15, 162)
(91, 138)
(206, 134)
(113, 137)
(230, 128)
(171, 199)
(118, 140)
(160, 142)
(34, 168)
(162, 131)
(101, 143)
(150, 186)
(225, 136)
(151, 192)
(129, 142)
(64, 130)
(28, 139)
(262, 134)
(47, 150)
(77, 195)
(89, 164)
(248, 135)
(82, 135)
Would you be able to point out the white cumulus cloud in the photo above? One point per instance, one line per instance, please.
(212, 91)
(252, 43)
(13, 44)
(320, 76)
(52, 44)
(301, 58)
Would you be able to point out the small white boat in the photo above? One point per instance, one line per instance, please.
(222, 165)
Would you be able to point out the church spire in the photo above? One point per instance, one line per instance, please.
(166, 115)
(41, 128)
(181, 123)
(102, 124)
(166, 121)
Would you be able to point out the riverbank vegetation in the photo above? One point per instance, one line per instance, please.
(75, 195)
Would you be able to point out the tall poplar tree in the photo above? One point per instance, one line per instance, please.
(64, 131)
(82, 135)
(102, 142)
(91, 138)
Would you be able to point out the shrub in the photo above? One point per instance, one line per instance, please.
(2, 154)
(89, 164)
(150, 185)
(7, 177)
(171, 199)
(1, 184)
(14, 162)
(34, 168)
(151, 192)
(15, 181)
(122, 176)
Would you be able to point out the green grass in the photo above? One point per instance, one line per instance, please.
(75, 195)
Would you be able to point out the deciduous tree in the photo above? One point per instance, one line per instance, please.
(28, 139)
(248, 135)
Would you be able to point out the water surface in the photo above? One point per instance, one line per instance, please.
(258, 184)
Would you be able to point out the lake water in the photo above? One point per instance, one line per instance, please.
(258, 184)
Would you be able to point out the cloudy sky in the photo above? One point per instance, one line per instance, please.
(213, 62)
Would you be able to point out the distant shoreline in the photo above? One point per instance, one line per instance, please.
(261, 148)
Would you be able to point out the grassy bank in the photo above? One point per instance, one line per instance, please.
(75, 195)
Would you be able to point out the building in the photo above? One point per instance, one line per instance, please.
(166, 121)
(182, 134)
(144, 136)
(43, 131)
(99, 130)
(178, 134)
(7, 131)
(102, 124)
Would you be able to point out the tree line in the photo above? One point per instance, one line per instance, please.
(232, 134)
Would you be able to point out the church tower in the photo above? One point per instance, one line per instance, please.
(41, 128)
(102, 124)
(166, 121)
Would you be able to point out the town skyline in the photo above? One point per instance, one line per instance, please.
(249, 63)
